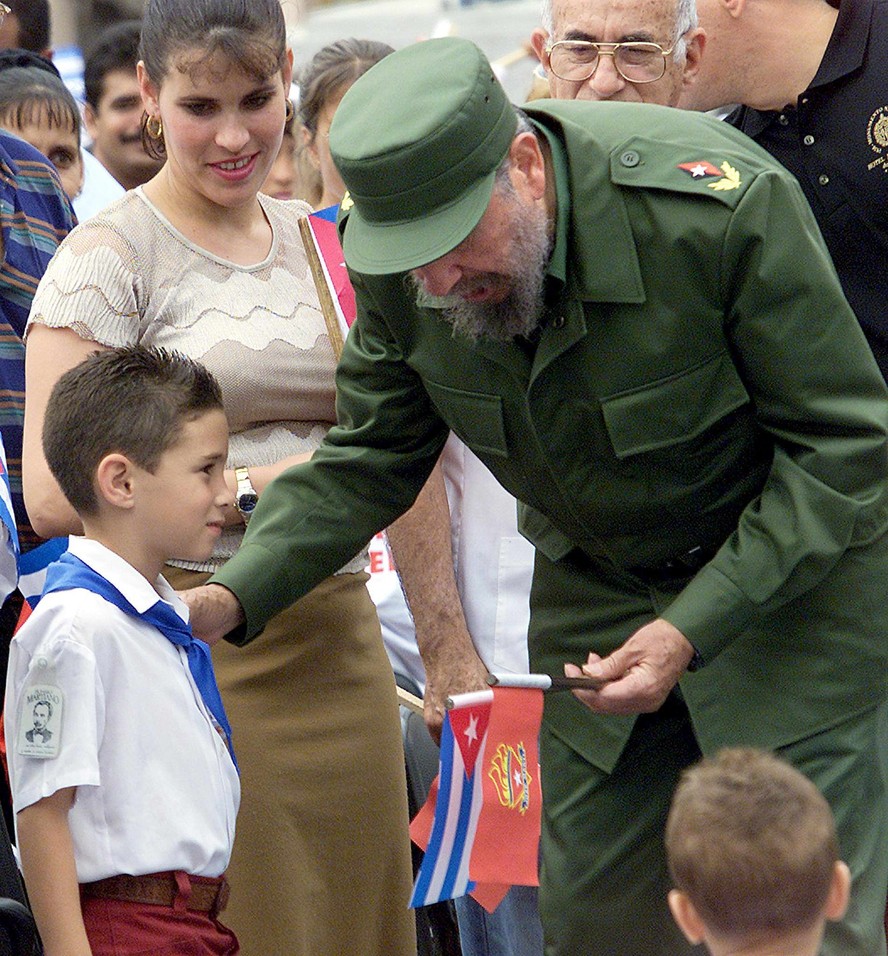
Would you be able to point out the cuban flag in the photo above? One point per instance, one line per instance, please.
(9, 552)
(480, 826)
(32, 568)
(327, 262)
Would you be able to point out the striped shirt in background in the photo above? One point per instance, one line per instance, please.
(34, 218)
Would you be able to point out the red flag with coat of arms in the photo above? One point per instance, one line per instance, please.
(480, 826)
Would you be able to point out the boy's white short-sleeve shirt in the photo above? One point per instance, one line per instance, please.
(99, 700)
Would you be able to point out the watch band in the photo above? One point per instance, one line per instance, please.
(245, 499)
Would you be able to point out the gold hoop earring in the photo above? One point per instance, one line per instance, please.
(290, 113)
(154, 131)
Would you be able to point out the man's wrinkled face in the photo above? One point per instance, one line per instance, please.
(621, 21)
(493, 280)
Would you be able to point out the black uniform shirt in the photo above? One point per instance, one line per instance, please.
(836, 142)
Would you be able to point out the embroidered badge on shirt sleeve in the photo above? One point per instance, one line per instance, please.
(40, 718)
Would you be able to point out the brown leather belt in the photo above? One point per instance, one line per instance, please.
(207, 894)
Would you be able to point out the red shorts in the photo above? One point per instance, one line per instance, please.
(117, 927)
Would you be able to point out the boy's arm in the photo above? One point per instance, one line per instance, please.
(47, 854)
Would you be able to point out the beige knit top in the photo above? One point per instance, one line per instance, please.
(128, 275)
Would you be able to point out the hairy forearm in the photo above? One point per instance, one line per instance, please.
(421, 545)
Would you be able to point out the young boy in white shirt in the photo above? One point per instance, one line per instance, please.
(125, 812)
(752, 850)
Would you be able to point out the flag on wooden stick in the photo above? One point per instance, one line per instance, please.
(480, 826)
(327, 263)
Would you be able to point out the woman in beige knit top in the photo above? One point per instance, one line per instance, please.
(197, 261)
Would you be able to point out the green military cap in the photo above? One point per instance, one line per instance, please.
(417, 140)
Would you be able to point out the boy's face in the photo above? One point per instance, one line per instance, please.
(182, 504)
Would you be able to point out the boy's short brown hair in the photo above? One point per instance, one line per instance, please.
(752, 843)
(132, 400)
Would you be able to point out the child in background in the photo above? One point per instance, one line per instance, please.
(752, 849)
(283, 177)
(36, 105)
(126, 801)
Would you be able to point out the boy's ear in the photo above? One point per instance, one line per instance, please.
(685, 915)
(114, 480)
(839, 892)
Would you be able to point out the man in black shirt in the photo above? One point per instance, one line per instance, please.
(810, 75)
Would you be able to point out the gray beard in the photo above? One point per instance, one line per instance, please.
(521, 311)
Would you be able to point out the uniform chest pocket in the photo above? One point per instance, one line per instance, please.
(476, 417)
(671, 415)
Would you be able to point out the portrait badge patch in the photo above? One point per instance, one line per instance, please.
(877, 137)
(40, 721)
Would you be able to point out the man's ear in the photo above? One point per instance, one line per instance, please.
(89, 120)
(528, 165)
(735, 8)
(685, 915)
(538, 41)
(696, 44)
(839, 892)
(114, 480)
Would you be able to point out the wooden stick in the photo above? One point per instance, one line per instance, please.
(545, 682)
(326, 300)
(410, 701)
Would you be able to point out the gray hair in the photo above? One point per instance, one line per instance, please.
(685, 19)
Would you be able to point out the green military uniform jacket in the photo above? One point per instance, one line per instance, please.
(700, 386)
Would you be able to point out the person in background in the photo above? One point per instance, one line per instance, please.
(126, 800)
(752, 850)
(30, 34)
(35, 215)
(113, 110)
(199, 261)
(641, 51)
(323, 82)
(282, 179)
(810, 78)
(37, 106)
(27, 27)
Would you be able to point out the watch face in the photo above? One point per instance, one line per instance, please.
(247, 502)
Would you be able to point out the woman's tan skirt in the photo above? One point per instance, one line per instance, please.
(321, 863)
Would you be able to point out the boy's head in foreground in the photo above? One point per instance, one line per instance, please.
(137, 440)
(752, 850)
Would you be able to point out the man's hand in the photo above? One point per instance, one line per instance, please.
(449, 674)
(214, 611)
(640, 674)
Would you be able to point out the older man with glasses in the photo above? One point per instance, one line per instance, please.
(644, 51)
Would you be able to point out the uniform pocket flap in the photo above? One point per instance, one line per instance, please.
(674, 409)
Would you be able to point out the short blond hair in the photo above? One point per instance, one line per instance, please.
(752, 843)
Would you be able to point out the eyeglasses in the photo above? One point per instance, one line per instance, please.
(637, 62)
(4, 12)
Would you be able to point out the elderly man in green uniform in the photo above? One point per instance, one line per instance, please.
(628, 313)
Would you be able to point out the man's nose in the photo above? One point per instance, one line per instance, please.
(606, 81)
(438, 277)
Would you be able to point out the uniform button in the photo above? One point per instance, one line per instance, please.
(783, 120)
(630, 158)
(823, 179)
(558, 322)
(808, 140)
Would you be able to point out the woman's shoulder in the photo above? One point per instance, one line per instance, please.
(287, 209)
(123, 220)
